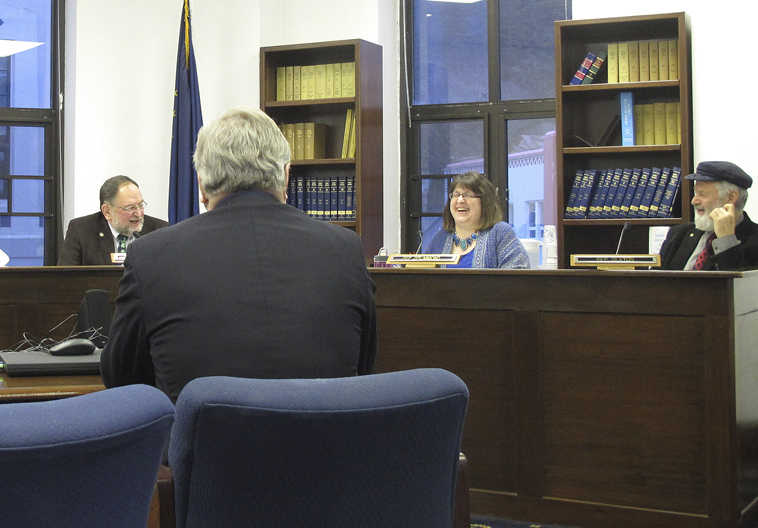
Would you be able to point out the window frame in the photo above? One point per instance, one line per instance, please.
(496, 113)
(51, 121)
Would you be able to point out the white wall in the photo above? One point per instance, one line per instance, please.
(120, 65)
(723, 76)
(121, 58)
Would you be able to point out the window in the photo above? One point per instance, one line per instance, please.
(482, 98)
(30, 38)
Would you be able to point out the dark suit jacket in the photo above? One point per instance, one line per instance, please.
(253, 288)
(682, 240)
(89, 241)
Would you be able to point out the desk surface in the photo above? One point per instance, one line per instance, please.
(39, 388)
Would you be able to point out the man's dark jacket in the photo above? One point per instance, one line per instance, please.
(682, 240)
(89, 241)
(253, 288)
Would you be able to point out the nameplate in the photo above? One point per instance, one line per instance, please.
(615, 262)
(118, 258)
(423, 260)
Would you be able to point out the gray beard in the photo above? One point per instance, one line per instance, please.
(704, 223)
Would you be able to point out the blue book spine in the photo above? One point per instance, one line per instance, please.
(613, 187)
(312, 198)
(584, 67)
(626, 101)
(647, 198)
(659, 190)
(300, 201)
(291, 193)
(333, 198)
(320, 199)
(601, 193)
(341, 207)
(570, 211)
(639, 192)
(626, 174)
(349, 198)
(588, 184)
(669, 195)
(629, 194)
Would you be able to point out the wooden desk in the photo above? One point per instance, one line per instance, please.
(40, 388)
(597, 398)
(35, 299)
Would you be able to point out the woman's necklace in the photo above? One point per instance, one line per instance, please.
(463, 243)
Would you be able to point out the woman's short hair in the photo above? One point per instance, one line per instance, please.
(481, 186)
(242, 150)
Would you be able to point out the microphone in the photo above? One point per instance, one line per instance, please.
(420, 241)
(627, 225)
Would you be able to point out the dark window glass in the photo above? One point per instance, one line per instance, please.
(527, 47)
(449, 52)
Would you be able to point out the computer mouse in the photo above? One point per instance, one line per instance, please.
(76, 346)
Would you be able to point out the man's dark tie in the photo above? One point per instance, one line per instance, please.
(707, 252)
(121, 239)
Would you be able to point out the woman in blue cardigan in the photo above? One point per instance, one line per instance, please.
(474, 228)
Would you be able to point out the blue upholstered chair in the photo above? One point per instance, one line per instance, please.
(368, 451)
(86, 461)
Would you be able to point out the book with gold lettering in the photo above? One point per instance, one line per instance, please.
(673, 60)
(319, 75)
(663, 60)
(281, 84)
(613, 62)
(299, 141)
(297, 82)
(329, 81)
(348, 79)
(648, 121)
(346, 135)
(337, 68)
(644, 60)
(306, 83)
(634, 60)
(623, 62)
(289, 76)
(351, 143)
(653, 62)
(672, 123)
(659, 111)
(288, 130)
(315, 140)
(639, 125)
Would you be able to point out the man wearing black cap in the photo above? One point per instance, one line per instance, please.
(722, 237)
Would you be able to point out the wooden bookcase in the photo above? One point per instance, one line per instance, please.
(587, 110)
(366, 166)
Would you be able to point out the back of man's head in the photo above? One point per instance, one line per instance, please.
(241, 150)
(110, 187)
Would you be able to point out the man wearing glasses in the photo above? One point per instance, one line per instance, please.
(102, 237)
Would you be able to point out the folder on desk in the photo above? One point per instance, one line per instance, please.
(42, 363)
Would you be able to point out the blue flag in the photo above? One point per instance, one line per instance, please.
(188, 118)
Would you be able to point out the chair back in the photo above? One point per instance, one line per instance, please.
(370, 451)
(85, 461)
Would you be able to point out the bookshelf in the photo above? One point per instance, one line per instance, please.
(365, 167)
(589, 111)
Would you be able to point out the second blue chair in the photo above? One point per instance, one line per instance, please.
(369, 451)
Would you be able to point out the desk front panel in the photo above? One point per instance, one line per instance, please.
(597, 399)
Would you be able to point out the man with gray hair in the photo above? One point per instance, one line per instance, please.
(252, 288)
(722, 237)
(96, 239)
